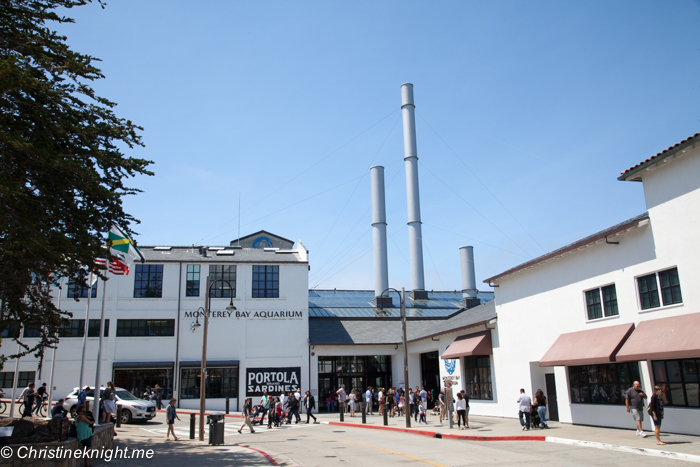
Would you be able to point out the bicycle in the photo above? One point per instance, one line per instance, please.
(3, 406)
(42, 411)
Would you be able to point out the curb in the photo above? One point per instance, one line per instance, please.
(433, 434)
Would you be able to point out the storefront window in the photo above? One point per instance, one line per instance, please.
(136, 380)
(602, 384)
(678, 380)
(355, 372)
(221, 383)
(478, 377)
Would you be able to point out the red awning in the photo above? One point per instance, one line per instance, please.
(472, 344)
(587, 347)
(664, 338)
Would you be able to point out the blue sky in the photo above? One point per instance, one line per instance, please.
(526, 114)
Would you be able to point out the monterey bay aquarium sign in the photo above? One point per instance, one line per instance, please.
(248, 314)
(273, 380)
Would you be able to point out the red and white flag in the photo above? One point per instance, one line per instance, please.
(116, 267)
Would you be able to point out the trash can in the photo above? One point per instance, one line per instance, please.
(216, 428)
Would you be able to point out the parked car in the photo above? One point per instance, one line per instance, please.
(133, 408)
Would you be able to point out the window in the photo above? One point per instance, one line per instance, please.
(24, 378)
(145, 327)
(478, 377)
(11, 331)
(76, 290)
(602, 301)
(678, 380)
(266, 281)
(76, 328)
(602, 384)
(148, 281)
(649, 286)
(220, 383)
(356, 372)
(32, 332)
(192, 284)
(226, 285)
(136, 380)
(6, 378)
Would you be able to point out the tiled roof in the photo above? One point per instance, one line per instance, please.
(591, 239)
(663, 154)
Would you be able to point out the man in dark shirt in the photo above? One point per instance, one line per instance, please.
(41, 393)
(634, 400)
(58, 409)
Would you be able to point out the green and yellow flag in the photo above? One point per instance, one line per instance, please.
(123, 248)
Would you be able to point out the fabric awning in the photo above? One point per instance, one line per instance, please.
(472, 344)
(664, 338)
(587, 347)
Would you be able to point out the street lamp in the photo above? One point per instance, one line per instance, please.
(203, 368)
(402, 297)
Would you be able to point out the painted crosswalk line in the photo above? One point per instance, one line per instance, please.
(230, 429)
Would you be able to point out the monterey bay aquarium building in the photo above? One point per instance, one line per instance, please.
(582, 322)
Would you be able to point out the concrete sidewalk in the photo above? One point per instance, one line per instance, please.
(682, 447)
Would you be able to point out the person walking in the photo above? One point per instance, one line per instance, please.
(461, 406)
(380, 401)
(656, 410)
(159, 397)
(443, 406)
(293, 409)
(421, 413)
(310, 404)
(27, 396)
(368, 400)
(342, 398)
(353, 402)
(108, 402)
(524, 403)
(247, 413)
(634, 400)
(541, 404)
(40, 394)
(263, 406)
(171, 415)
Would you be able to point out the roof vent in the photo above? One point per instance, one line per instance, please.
(225, 252)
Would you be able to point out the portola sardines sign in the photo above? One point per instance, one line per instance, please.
(248, 314)
(273, 380)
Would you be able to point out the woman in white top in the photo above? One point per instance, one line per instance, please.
(461, 406)
(380, 400)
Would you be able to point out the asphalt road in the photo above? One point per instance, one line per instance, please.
(326, 445)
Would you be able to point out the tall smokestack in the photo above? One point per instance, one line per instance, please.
(469, 290)
(415, 236)
(381, 268)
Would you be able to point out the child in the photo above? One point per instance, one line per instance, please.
(171, 415)
(421, 412)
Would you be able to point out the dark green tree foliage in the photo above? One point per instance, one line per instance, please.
(62, 165)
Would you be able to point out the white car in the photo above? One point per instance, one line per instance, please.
(133, 408)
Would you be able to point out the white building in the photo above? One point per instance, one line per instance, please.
(584, 321)
(154, 333)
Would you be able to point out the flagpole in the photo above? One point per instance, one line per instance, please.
(85, 334)
(96, 400)
(53, 355)
(16, 378)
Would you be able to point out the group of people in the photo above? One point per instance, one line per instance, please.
(29, 396)
(634, 401)
(280, 409)
(529, 411)
(154, 394)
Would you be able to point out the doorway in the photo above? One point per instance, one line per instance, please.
(430, 374)
(552, 397)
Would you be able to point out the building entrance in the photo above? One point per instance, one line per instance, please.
(430, 375)
(355, 372)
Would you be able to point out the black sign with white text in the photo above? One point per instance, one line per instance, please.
(273, 380)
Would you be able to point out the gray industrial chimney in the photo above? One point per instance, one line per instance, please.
(415, 236)
(469, 290)
(381, 268)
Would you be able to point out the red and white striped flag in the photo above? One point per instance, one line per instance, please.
(116, 267)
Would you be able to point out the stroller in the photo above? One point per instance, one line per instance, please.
(276, 416)
(256, 415)
(534, 417)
